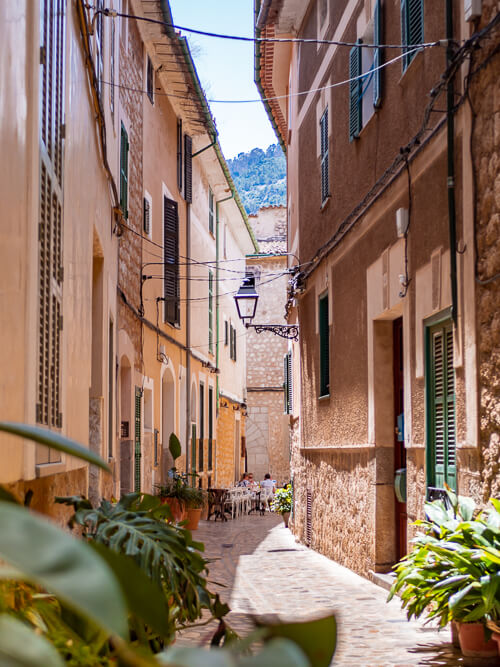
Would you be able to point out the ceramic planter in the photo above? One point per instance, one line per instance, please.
(193, 517)
(286, 516)
(177, 508)
(473, 643)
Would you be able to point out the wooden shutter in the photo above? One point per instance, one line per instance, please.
(210, 311)
(226, 332)
(442, 407)
(325, 184)
(234, 343)
(171, 260)
(202, 429)
(378, 57)
(188, 169)
(112, 70)
(147, 217)
(50, 228)
(412, 27)
(179, 154)
(324, 348)
(354, 92)
(124, 148)
(210, 426)
(210, 211)
(290, 383)
(137, 440)
(150, 80)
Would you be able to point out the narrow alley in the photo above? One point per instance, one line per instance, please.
(260, 569)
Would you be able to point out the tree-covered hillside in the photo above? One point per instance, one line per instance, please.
(260, 177)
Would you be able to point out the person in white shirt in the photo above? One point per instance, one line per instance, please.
(267, 483)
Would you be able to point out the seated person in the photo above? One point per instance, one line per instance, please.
(244, 481)
(252, 483)
(267, 483)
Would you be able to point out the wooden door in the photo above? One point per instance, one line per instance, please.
(399, 444)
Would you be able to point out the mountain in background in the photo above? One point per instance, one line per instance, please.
(260, 177)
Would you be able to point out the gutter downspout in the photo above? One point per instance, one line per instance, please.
(451, 166)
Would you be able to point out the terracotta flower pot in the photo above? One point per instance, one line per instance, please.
(177, 508)
(286, 516)
(473, 643)
(193, 517)
(454, 634)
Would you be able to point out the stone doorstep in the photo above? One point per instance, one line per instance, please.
(385, 580)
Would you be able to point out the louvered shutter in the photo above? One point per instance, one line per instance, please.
(210, 211)
(188, 169)
(147, 217)
(201, 438)
(226, 332)
(285, 384)
(112, 70)
(210, 311)
(50, 228)
(171, 260)
(325, 184)
(150, 80)
(137, 440)
(124, 148)
(290, 383)
(234, 344)
(354, 92)
(412, 27)
(324, 348)
(442, 408)
(179, 154)
(378, 57)
(210, 427)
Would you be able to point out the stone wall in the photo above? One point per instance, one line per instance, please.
(267, 436)
(485, 97)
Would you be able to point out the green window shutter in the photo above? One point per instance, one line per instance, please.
(210, 211)
(193, 450)
(324, 348)
(441, 405)
(171, 260)
(137, 440)
(234, 344)
(226, 332)
(210, 311)
(324, 141)
(124, 148)
(355, 92)
(179, 154)
(378, 57)
(210, 426)
(188, 169)
(287, 385)
(147, 216)
(412, 27)
(202, 429)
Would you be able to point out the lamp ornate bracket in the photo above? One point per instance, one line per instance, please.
(290, 331)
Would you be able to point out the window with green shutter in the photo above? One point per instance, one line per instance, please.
(188, 169)
(412, 28)
(324, 141)
(378, 55)
(355, 90)
(210, 211)
(440, 376)
(124, 148)
(201, 461)
(171, 260)
(324, 347)
(137, 440)
(179, 155)
(210, 426)
(210, 312)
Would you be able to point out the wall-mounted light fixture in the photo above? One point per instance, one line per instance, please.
(246, 305)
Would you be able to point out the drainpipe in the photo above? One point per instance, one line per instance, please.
(450, 102)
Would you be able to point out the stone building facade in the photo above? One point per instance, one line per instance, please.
(267, 440)
(393, 226)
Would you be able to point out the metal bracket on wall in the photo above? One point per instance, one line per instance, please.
(290, 331)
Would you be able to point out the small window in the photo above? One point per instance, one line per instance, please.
(210, 211)
(412, 28)
(325, 182)
(226, 332)
(324, 347)
(124, 148)
(150, 80)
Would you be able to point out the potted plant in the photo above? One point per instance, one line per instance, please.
(175, 491)
(195, 502)
(282, 503)
(452, 573)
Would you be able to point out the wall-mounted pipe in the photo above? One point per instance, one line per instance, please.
(450, 112)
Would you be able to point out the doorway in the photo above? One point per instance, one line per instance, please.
(401, 516)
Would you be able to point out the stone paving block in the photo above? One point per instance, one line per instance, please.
(260, 569)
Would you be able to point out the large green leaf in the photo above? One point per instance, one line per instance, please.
(278, 653)
(174, 446)
(145, 599)
(63, 565)
(317, 638)
(53, 440)
(21, 646)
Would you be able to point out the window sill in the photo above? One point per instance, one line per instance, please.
(324, 398)
(46, 469)
(325, 204)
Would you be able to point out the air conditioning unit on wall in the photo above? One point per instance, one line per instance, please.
(472, 9)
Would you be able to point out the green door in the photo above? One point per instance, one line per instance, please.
(137, 440)
(441, 453)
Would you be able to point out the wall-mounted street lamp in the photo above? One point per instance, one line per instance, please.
(246, 305)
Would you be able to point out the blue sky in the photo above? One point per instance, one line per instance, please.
(226, 71)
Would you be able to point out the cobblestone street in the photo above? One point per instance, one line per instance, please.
(265, 571)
